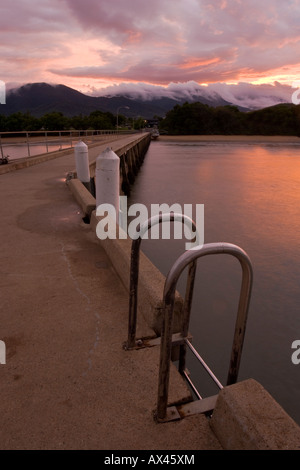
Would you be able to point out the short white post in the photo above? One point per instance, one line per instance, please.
(108, 179)
(2, 353)
(82, 164)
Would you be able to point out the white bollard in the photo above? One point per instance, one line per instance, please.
(2, 353)
(108, 179)
(82, 162)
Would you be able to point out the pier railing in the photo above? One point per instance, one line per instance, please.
(48, 140)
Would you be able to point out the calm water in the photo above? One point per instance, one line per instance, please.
(251, 194)
(18, 151)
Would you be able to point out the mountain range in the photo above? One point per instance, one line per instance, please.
(41, 98)
(139, 100)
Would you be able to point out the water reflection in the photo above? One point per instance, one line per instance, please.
(251, 194)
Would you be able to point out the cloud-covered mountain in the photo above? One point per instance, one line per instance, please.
(142, 99)
(243, 95)
(41, 98)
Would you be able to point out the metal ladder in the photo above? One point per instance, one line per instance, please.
(168, 340)
(132, 342)
(163, 413)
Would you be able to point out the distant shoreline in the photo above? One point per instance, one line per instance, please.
(232, 138)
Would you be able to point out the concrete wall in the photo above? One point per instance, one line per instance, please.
(246, 417)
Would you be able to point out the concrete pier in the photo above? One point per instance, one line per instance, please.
(67, 382)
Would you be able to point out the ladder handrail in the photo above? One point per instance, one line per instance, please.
(134, 269)
(169, 297)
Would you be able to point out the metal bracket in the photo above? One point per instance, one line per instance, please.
(177, 412)
(177, 340)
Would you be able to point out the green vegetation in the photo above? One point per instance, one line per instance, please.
(57, 121)
(186, 119)
(201, 119)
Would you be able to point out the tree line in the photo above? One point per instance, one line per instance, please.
(57, 121)
(201, 119)
(187, 119)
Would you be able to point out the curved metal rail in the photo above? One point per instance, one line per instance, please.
(178, 267)
(134, 273)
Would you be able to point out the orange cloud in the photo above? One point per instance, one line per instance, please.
(193, 62)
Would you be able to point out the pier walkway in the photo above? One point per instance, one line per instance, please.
(67, 382)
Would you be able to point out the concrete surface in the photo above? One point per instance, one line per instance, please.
(67, 382)
(246, 417)
(82, 196)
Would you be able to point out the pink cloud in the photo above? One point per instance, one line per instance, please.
(158, 42)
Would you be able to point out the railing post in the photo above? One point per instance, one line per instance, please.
(164, 363)
(2, 155)
(46, 142)
(28, 146)
(186, 313)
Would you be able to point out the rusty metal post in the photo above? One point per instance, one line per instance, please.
(169, 294)
(241, 321)
(165, 359)
(187, 313)
(133, 292)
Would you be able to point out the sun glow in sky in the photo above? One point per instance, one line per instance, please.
(96, 44)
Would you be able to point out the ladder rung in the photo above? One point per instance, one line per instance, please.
(212, 375)
(191, 383)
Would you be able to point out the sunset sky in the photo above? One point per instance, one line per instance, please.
(93, 44)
